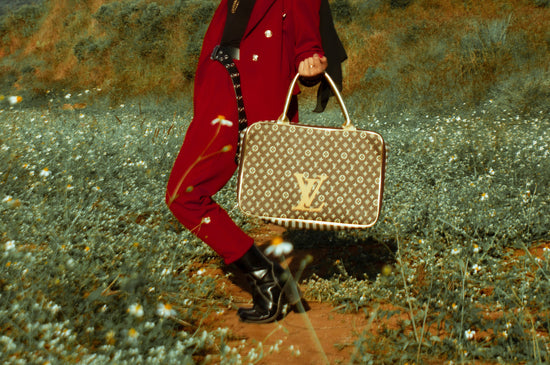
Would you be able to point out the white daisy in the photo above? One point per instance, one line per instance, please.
(222, 121)
(136, 310)
(45, 172)
(165, 310)
(279, 247)
(10, 245)
(14, 100)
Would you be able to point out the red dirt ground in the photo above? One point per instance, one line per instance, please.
(322, 335)
(331, 341)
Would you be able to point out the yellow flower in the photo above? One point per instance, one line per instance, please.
(110, 337)
(133, 334)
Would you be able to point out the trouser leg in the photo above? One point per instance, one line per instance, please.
(204, 164)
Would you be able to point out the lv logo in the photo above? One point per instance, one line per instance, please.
(309, 189)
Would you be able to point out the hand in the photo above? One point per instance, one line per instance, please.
(312, 66)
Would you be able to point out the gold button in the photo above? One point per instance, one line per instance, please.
(268, 34)
(254, 57)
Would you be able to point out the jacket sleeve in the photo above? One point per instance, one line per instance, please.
(306, 28)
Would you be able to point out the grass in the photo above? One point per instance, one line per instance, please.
(95, 268)
(404, 56)
(86, 236)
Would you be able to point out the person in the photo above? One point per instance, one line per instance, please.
(250, 53)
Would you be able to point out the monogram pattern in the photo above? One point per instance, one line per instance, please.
(311, 177)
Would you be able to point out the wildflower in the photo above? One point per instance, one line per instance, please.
(491, 172)
(54, 308)
(484, 196)
(476, 248)
(452, 158)
(7, 199)
(222, 121)
(10, 245)
(110, 337)
(132, 335)
(68, 96)
(14, 100)
(279, 247)
(206, 220)
(476, 268)
(526, 196)
(455, 251)
(45, 172)
(201, 272)
(70, 187)
(136, 310)
(165, 310)
(469, 334)
(454, 306)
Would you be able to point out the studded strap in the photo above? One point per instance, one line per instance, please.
(222, 55)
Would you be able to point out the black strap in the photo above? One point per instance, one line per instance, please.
(223, 54)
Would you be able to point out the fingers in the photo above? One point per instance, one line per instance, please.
(312, 66)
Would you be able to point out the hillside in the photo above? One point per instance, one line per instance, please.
(415, 55)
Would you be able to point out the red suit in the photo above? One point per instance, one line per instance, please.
(279, 35)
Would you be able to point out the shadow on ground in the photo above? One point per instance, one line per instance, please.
(337, 253)
(333, 253)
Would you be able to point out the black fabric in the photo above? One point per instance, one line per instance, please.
(335, 54)
(238, 14)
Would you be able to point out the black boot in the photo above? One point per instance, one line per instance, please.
(272, 287)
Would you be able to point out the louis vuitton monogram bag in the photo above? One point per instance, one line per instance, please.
(311, 177)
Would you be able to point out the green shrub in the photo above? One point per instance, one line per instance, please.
(399, 4)
(342, 11)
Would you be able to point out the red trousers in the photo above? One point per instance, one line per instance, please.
(205, 163)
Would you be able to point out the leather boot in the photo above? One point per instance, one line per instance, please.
(272, 287)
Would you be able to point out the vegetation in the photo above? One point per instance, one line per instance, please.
(403, 55)
(95, 269)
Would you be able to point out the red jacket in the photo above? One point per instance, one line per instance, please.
(280, 34)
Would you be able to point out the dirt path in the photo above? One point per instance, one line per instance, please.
(321, 335)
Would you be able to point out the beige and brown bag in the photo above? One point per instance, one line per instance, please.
(311, 177)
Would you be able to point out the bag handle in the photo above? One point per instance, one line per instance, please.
(284, 118)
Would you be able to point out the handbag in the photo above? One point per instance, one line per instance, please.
(311, 177)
